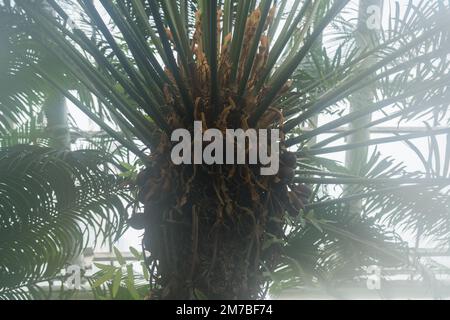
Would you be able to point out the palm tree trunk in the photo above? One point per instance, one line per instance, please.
(366, 39)
(56, 114)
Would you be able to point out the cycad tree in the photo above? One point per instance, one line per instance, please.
(225, 231)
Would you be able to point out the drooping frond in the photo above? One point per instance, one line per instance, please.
(51, 205)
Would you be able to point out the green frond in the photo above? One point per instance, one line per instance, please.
(51, 205)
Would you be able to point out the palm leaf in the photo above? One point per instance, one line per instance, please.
(52, 204)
